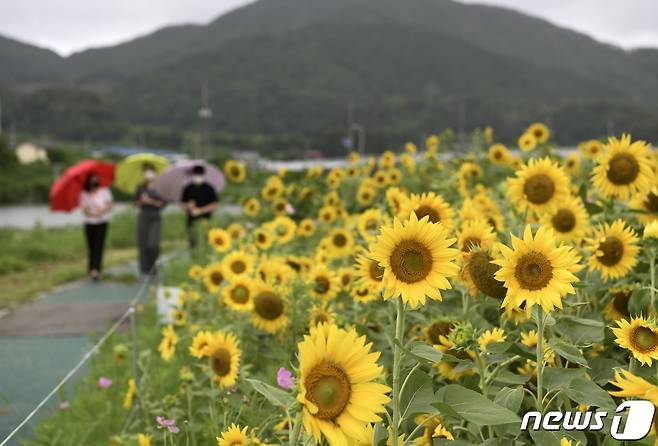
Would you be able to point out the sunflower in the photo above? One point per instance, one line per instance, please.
(491, 337)
(591, 149)
(341, 242)
(364, 294)
(224, 354)
(537, 271)
(499, 155)
(395, 197)
(527, 142)
(235, 171)
(213, 276)
(539, 186)
(614, 250)
(648, 204)
(650, 231)
(441, 432)
(625, 169)
(617, 307)
(569, 220)
(236, 231)
(238, 295)
(306, 227)
(429, 205)
(251, 207)
(273, 188)
(337, 388)
(437, 332)
(220, 239)
(280, 206)
(640, 336)
(283, 229)
(369, 223)
(237, 263)
(321, 314)
(324, 283)
(572, 164)
(327, 214)
(234, 436)
(345, 278)
(417, 259)
(167, 346)
(475, 233)
(263, 239)
(200, 344)
(269, 311)
(630, 385)
(539, 131)
(365, 194)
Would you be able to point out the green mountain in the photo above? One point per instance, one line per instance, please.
(281, 73)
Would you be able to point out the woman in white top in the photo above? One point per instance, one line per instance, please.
(96, 204)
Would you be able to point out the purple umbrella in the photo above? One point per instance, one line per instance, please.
(171, 182)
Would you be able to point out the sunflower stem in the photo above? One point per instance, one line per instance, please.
(540, 359)
(397, 353)
(296, 430)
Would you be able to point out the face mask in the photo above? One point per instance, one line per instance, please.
(198, 179)
(149, 174)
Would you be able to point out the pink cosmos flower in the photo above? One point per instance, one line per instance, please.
(64, 405)
(169, 424)
(284, 378)
(104, 382)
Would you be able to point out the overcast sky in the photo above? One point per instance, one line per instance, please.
(71, 25)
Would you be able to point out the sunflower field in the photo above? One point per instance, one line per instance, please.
(419, 298)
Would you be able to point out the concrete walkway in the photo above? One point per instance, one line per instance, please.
(41, 341)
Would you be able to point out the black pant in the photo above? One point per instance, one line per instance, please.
(148, 238)
(95, 234)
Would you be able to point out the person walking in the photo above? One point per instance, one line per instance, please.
(199, 199)
(149, 221)
(96, 204)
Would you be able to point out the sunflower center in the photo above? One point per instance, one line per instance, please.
(340, 240)
(238, 267)
(481, 272)
(268, 305)
(644, 339)
(539, 188)
(564, 220)
(320, 318)
(240, 294)
(651, 203)
(219, 241)
(429, 211)
(533, 271)
(437, 329)
(216, 277)
(470, 242)
(220, 361)
(498, 154)
(372, 224)
(345, 279)
(620, 302)
(411, 261)
(329, 389)
(321, 285)
(261, 238)
(623, 169)
(613, 251)
(376, 272)
(235, 171)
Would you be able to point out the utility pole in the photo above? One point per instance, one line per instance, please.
(0, 116)
(205, 113)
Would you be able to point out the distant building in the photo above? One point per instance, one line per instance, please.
(28, 153)
(124, 151)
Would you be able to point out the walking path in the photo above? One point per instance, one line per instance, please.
(41, 341)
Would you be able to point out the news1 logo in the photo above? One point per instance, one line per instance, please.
(638, 420)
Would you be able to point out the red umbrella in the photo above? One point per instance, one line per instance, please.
(65, 191)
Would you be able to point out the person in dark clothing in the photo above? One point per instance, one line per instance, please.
(96, 204)
(150, 203)
(199, 199)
